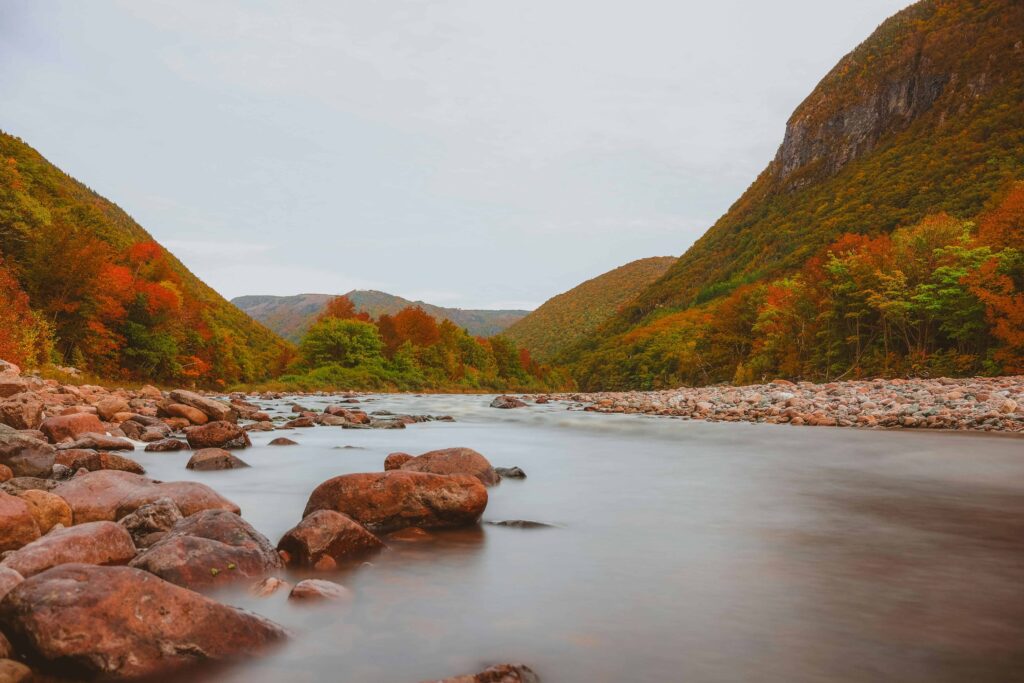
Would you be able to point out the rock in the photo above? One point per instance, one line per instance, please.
(92, 543)
(88, 621)
(301, 422)
(217, 411)
(269, 586)
(17, 525)
(209, 548)
(151, 392)
(542, 400)
(219, 434)
(151, 521)
(283, 441)
(108, 407)
(166, 446)
(17, 485)
(193, 415)
(331, 420)
(22, 411)
(318, 589)
(499, 673)
(69, 427)
(380, 424)
(208, 459)
(453, 461)
(91, 460)
(12, 671)
(394, 461)
(132, 430)
(5, 473)
(24, 455)
(99, 442)
(155, 433)
(388, 501)
(11, 384)
(324, 539)
(48, 509)
(110, 495)
(510, 473)
(507, 402)
(8, 580)
(1008, 406)
(522, 524)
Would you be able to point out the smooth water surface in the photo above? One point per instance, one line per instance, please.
(682, 551)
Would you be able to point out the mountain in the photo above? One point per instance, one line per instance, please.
(570, 316)
(291, 316)
(87, 286)
(923, 118)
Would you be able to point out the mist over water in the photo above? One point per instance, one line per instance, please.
(681, 551)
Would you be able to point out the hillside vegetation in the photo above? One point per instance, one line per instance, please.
(568, 317)
(292, 316)
(903, 150)
(83, 284)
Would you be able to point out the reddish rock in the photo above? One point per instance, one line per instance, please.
(388, 501)
(318, 589)
(22, 411)
(324, 539)
(12, 671)
(499, 673)
(453, 461)
(269, 586)
(99, 442)
(283, 441)
(87, 621)
(394, 461)
(91, 460)
(176, 424)
(193, 415)
(92, 543)
(209, 548)
(24, 455)
(110, 495)
(215, 410)
(69, 427)
(412, 534)
(108, 407)
(17, 526)
(11, 384)
(5, 473)
(150, 522)
(8, 580)
(48, 509)
(349, 415)
(301, 422)
(217, 435)
(209, 459)
(166, 446)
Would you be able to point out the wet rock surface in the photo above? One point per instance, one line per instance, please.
(453, 461)
(208, 459)
(324, 539)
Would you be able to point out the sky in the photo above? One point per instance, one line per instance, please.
(471, 153)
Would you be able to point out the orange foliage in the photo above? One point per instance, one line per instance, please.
(415, 325)
(1004, 226)
(342, 308)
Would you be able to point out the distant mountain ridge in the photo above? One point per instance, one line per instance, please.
(570, 316)
(291, 316)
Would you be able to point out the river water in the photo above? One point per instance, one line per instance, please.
(680, 551)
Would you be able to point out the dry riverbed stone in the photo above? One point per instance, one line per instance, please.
(86, 621)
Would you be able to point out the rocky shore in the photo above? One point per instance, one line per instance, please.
(103, 570)
(989, 404)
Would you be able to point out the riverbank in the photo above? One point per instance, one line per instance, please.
(990, 404)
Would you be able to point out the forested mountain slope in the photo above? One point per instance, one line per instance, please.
(923, 118)
(83, 284)
(564, 319)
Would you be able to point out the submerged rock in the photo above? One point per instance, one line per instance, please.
(209, 459)
(283, 441)
(318, 589)
(84, 621)
(507, 402)
(510, 473)
(388, 501)
(499, 673)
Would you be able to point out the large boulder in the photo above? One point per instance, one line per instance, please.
(92, 543)
(193, 415)
(99, 442)
(387, 501)
(91, 460)
(69, 427)
(110, 406)
(215, 410)
(25, 455)
(324, 539)
(150, 522)
(453, 461)
(210, 548)
(48, 509)
(208, 459)
(219, 434)
(11, 384)
(22, 411)
(17, 525)
(8, 580)
(88, 621)
(109, 495)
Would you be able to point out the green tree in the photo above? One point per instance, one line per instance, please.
(348, 343)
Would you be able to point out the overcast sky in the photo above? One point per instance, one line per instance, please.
(475, 153)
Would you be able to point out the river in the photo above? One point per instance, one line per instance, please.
(679, 551)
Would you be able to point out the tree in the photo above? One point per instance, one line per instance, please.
(348, 343)
(342, 308)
